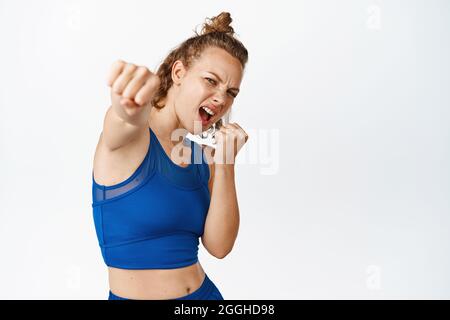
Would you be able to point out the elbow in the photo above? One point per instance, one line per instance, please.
(218, 251)
(220, 254)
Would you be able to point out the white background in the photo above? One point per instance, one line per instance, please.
(357, 90)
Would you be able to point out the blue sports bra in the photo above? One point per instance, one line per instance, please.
(154, 218)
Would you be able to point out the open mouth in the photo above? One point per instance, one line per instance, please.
(205, 114)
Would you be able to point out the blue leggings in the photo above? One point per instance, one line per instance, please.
(207, 291)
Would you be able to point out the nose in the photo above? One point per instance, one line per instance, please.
(219, 100)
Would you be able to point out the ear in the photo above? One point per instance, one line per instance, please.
(178, 72)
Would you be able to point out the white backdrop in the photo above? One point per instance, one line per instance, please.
(343, 186)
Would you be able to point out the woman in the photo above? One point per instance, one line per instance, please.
(154, 191)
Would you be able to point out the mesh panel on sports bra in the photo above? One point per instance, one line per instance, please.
(101, 192)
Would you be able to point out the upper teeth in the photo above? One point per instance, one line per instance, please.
(208, 110)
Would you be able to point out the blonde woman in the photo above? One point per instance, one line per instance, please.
(154, 195)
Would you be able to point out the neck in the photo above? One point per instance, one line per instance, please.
(165, 121)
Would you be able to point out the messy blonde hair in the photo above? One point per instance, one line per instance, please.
(216, 32)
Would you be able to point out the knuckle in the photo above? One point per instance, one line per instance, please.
(116, 87)
(130, 67)
(118, 63)
(127, 93)
(143, 71)
(140, 100)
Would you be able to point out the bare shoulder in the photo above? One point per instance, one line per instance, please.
(111, 167)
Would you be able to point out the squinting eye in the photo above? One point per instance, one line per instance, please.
(211, 80)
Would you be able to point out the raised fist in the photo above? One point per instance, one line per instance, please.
(132, 87)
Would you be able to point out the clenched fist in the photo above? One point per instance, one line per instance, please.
(132, 88)
(229, 140)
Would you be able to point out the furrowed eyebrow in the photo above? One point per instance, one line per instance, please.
(237, 89)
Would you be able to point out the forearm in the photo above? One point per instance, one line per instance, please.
(222, 222)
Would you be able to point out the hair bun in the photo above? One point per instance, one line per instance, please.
(220, 23)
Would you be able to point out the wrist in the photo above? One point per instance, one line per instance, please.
(229, 167)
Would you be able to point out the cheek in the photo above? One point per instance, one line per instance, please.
(193, 93)
(188, 100)
(196, 89)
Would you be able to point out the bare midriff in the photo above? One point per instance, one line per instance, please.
(155, 284)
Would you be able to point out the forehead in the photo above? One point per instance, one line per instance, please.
(219, 61)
